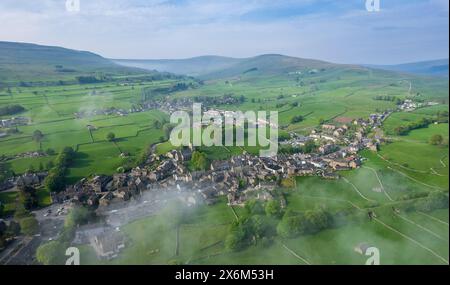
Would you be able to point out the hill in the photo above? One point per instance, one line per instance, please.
(210, 67)
(32, 62)
(432, 67)
(196, 66)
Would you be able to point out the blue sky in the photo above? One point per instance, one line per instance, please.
(334, 30)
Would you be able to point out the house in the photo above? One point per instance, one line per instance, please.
(101, 183)
(30, 179)
(185, 154)
(264, 196)
(166, 169)
(266, 185)
(328, 127)
(354, 163)
(338, 164)
(328, 148)
(106, 199)
(339, 132)
(330, 175)
(13, 122)
(372, 146)
(220, 165)
(108, 244)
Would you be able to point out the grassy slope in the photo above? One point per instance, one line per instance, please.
(30, 62)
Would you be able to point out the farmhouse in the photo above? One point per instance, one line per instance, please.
(108, 244)
(328, 127)
(13, 122)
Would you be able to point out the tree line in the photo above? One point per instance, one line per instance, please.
(11, 109)
(56, 178)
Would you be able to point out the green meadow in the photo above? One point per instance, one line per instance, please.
(407, 165)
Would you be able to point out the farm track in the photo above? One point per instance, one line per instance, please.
(295, 254)
(415, 180)
(422, 228)
(381, 184)
(404, 167)
(234, 213)
(357, 190)
(433, 218)
(442, 161)
(413, 241)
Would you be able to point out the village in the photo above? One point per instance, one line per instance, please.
(144, 190)
(124, 197)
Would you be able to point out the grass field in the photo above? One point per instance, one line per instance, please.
(407, 238)
(407, 165)
(10, 200)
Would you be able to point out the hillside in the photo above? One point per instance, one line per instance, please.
(31, 62)
(432, 67)
(270, 64)
(196, 66)
(210, 67)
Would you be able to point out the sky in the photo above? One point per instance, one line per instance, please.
(341, 31)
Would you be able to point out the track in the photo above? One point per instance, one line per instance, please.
(433, 218)
(356, 189)
(413, 241)
(295, 254)
(415, 180)
(422, 228)
(381, 184)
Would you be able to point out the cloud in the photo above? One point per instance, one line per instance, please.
(340, 31)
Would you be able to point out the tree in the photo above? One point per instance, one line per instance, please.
(50, 164)
(110, 137)
(436, 139)
(20, 212)
(29, 226)
(28, 197)
(37, 137)
(435, 200)
(273, 208)
(254, 207)
(235, 240)
(2, 208)
(51, 253)
(296, 119)
(55, 181)
(157, 124)
(289, 226)
(78, 216)
(309, 147)
(316, 221)
(199, 160)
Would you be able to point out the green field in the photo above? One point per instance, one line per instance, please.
(407, 166)
(407, 238)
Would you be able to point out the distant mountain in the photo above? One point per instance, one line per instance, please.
(209, 67)
(432, 67)
(30, 62)
(196, 66)
(270, 64)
